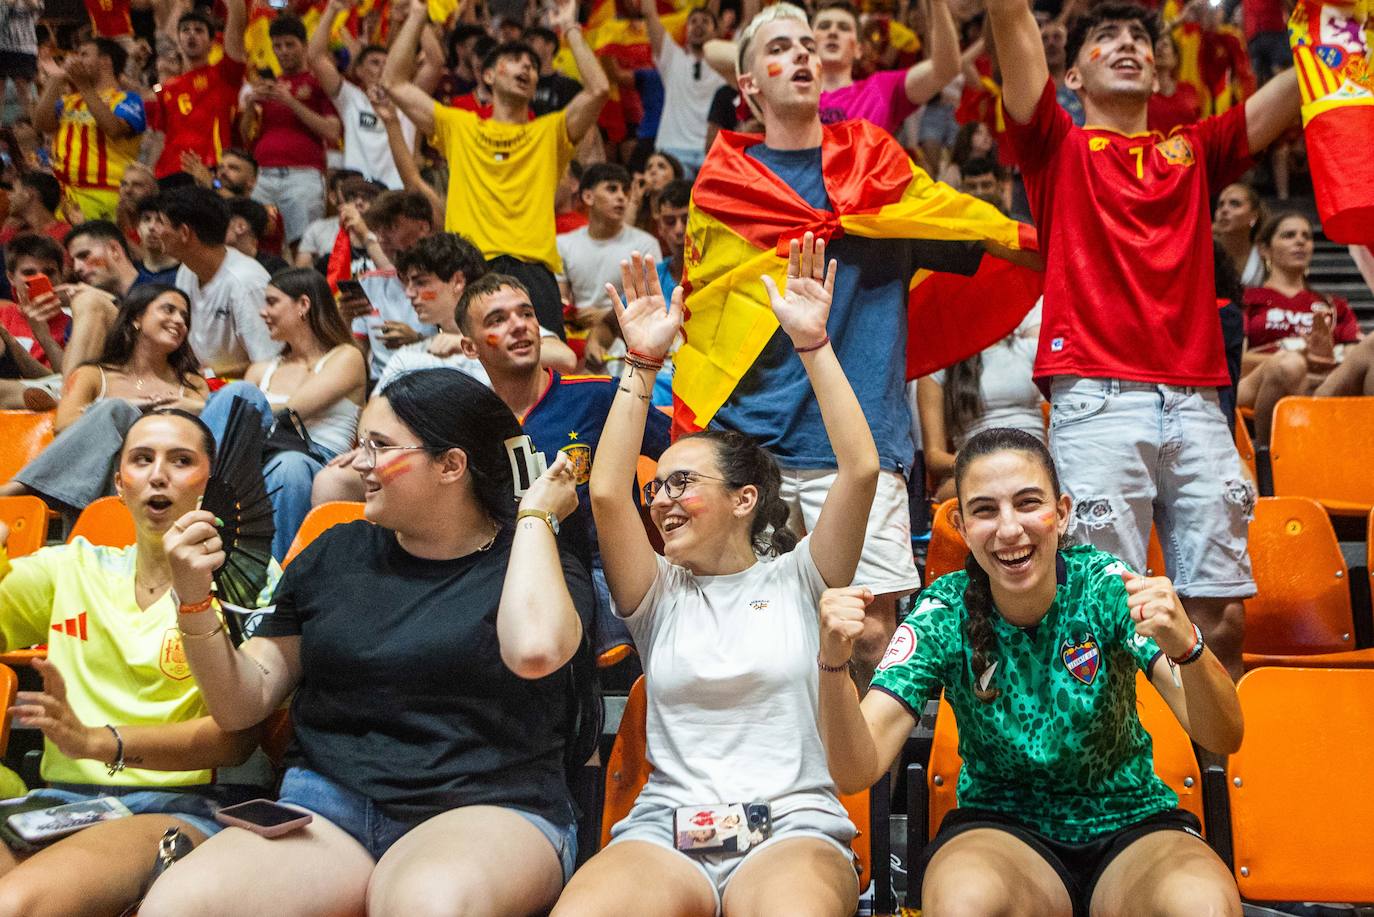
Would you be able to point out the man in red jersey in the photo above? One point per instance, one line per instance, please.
(195, 110)
(1130, 346)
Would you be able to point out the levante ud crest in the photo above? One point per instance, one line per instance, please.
(1082, 658)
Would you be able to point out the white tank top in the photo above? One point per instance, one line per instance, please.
(334, 428)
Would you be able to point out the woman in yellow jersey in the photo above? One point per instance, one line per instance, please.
(120, 713)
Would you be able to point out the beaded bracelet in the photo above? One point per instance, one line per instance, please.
(1194, 652)
(830, 668)
(118, 764)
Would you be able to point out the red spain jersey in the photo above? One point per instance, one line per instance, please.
(1126, 232)
(196, 112)
(110, 18)
(83, 156)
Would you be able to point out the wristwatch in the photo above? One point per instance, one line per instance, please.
(543, 514)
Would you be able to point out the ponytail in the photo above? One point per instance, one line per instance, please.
(742, 463)
(978, 627)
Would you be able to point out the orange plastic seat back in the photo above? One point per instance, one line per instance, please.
(1174, 760)
(1245, 445)
(1302, 605)
(947, 549)
(1302, 813)
(105, 521)
(27, 518)
(23, 434)
(9, 686)
(644, 473)
(1154, 555)
(628, 768)
(322, 517)
(1322, 448)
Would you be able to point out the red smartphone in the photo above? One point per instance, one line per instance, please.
(37, 285)
(264, 817)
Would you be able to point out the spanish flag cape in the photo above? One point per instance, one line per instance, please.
(1332, 45)
(743, 217)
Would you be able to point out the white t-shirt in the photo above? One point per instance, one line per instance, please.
(318, 238)
(417, 356)
(1010, 397)
(689, 84)
(732, 686)
(365, 147)
(389, 304)
(589, 264)
(226, 327)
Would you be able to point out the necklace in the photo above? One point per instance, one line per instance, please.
(490, 541)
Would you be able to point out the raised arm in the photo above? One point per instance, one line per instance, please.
(861, 740)
(1270, 111)
(586, 106)
(1020, 52)
(317, 51)
(648, 330)
(654, 25)
(235, 24)
(925, 79)
(242, 686)
(402, 154)
(802, 309)
(45, 118)
(196, 744)
(537, 625)
(400, 62)
(1204, 698)
(930, 408)
(344, 374)
(720, 54)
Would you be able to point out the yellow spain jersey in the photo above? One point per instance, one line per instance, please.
(502, 179)
(83, 156)
(122, 664)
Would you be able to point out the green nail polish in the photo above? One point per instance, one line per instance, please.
(219, 523)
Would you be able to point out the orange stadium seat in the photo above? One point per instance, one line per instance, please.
(23, 434)
(1301, 614)
(1302, 814)
(628, 768)
(27, 518)
(322, 517)
(1245, 445)
(9, 686)
(105, 521)
(1322, 448)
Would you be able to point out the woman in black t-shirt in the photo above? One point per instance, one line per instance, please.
(429, 650)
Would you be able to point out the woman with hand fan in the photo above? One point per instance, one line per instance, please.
(320, 379)
(435, 652)
(115, 657)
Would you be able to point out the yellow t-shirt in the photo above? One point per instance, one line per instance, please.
(122, 664)
(501, 182)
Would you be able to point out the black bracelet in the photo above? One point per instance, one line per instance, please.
(118, 764)
(1194, 654)
(831, 668)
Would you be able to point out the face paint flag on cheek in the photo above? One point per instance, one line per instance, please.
(1094, 54)
(398, 467)
(775, 69)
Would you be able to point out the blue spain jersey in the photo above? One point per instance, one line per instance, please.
(569, 417)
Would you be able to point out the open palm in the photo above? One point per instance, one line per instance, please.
(803, 308)
(647, 324)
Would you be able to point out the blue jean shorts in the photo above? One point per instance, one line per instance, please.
(1135, 453)
(195, 809)
(367, 824)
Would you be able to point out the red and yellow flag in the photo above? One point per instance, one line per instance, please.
(1331, 52)
(743, 217)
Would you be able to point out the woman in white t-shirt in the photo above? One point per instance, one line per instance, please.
(729, 639)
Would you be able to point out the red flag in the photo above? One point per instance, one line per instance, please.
(340, 260)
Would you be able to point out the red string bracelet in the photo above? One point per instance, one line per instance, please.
(816, 346)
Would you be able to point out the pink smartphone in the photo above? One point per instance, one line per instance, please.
(263, 816)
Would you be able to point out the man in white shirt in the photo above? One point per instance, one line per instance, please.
(225, 286)
(365, 145)
(689, 84)
(592, 254)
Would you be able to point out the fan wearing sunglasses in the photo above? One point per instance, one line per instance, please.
(726, 626)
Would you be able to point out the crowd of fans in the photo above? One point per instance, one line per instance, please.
(418, 239)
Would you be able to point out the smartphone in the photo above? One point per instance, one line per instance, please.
(38, 285)
(264, 817)
(351, 288)
(58, 821)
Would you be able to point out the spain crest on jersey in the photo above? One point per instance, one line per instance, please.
(580, 458)
(171, 657)
(1082, 658)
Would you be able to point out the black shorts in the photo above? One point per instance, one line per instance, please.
(1079, 866)
(16, 65)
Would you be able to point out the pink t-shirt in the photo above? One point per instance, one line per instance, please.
(880, 98)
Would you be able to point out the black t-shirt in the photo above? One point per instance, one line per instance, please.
(403, 695)
(724, 112)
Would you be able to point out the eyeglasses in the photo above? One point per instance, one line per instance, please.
(371, 448)
(676, 484)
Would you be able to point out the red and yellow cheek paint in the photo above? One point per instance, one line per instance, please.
(775, 69)
(398, 467)
(1094, 54)
(493, 340)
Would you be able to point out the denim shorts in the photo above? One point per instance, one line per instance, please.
(367, 824)
(1133, 453)
(194, 808)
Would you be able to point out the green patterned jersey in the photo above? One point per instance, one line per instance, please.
(1061, 748)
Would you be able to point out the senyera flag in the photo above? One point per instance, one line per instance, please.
(743, 218)
(1331, 51)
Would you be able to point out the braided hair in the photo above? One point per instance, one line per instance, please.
(743, 462)
(978, 593)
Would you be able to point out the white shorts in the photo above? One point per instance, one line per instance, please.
(886, 565)
(654, 824)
